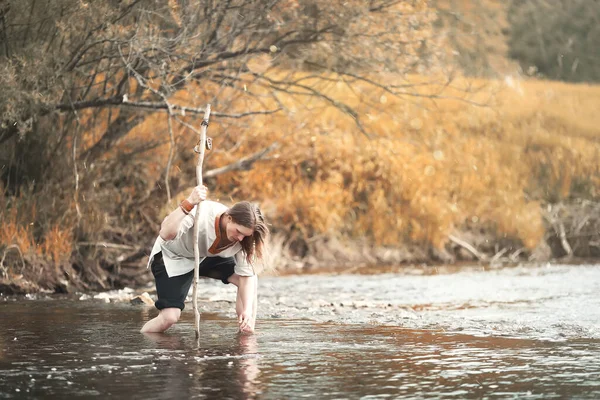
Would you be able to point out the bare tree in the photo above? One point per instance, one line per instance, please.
(78, 76)
(133, 55)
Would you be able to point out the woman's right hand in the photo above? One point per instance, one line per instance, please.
(198, 194)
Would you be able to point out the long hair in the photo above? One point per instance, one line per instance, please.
(249, 215)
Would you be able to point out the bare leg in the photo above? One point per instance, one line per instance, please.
(166, 318)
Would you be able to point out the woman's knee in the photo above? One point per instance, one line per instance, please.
(234, 279)
(170, 315)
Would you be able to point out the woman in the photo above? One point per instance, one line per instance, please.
(229, 242)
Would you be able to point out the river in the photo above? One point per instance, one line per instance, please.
(470, 332)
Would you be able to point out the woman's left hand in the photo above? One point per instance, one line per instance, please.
(244, 320)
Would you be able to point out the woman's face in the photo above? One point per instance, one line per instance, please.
(236, 232)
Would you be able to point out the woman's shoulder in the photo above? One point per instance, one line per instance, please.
(211, 208)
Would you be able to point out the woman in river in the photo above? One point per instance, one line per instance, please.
(230, 240)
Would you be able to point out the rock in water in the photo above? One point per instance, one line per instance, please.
(143, 298)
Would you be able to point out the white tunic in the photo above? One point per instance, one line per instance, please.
(178, 253)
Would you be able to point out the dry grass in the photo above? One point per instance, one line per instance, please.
(57, 244)
(17, 229)
(431, 167)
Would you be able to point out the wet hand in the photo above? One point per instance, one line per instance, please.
(199, 194)
(244, 321)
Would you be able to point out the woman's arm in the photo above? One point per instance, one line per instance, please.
(245, 304)
(170, 225)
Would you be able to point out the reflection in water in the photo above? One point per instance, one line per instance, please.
(59, 349)
(249, 370)
(229, 370)
(342, 361)
(164, 341)
(54, 349)
(231, 360)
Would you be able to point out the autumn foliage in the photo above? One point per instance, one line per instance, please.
(373, 141)
(424, 168)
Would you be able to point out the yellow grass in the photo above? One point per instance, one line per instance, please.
(57, 244)
(430, 167)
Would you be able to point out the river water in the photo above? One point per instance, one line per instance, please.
(521, 332)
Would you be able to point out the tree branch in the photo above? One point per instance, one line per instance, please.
(149, 105)
(243, 164)
(473, 250)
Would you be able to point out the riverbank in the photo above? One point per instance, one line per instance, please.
(572, 236)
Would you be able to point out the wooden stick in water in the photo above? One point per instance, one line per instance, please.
(202, 144)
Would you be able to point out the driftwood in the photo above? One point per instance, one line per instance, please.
(107, 245)
(553, 216)
(201, 150)
(12, 246)
(480, 256)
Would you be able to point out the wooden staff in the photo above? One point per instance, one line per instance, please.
(203, 144)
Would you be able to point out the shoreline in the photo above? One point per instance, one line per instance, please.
(505, 302)
(18, 285)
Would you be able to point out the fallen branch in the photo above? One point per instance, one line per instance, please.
(563, 240)
(12, 246)
(497, 256)
(467, 246)
(107, 245)
(514, 256)
(553, 217)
